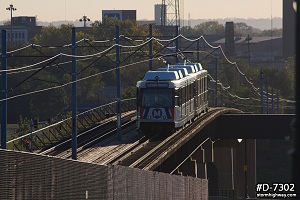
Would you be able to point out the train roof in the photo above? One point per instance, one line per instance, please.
(190, 68)
(161, 76)
(198, 66)
(176, 75)
(182, 72)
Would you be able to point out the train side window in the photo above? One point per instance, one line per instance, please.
(203, 85)
(191, 86)
(183, 94)
(180, 95)
(177, 101)
(176, 97)
(200, 85)
(194, 88)
(188, 92)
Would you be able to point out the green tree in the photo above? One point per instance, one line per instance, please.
(209, 28)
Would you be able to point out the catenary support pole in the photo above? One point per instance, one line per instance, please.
(277, 101)
(177, 43)
(272, 100)
(4, 91)
(74, 97)
(118, 83)
(261, 92)
(198, 50)
(267, 96)
(150, 47)
(216, 85)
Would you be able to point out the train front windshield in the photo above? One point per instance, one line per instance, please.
(156, 98)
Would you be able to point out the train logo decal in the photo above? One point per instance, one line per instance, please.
(156, 113)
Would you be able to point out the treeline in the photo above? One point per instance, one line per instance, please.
(47, 85)
(240, 28)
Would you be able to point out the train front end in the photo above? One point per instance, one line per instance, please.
(156, 102)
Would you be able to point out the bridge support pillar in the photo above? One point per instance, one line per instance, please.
(208, 148)
(197, 164)
(202, 167)
(194, 165)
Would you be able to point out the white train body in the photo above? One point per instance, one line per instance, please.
(170, 97)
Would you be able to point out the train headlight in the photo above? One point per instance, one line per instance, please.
(148, 117)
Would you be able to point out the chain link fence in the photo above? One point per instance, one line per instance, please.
(27, 176)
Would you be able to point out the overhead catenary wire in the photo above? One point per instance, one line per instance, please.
(133, 46)
(69, 83)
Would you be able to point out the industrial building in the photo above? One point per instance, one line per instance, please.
(119, 14)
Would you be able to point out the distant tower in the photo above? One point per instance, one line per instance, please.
(172, 13)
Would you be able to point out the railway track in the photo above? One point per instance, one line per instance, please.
(135, 150)
(89, 137)
(155, 151)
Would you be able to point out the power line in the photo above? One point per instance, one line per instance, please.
(69, 83)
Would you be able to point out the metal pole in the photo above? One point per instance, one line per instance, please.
(267, 93)
(272, 100)
(261, 91)
(177, 44)
(150, 47)
(198, 50)
(4, 91)
(74, 98)
(246, 170)
(216, 85)
(277, 102)
(296, 153)
(31, 137)
(249, 49)
(11, 10)
(232, 168)
(118, 83)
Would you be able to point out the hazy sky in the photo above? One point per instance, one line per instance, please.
(56, 10)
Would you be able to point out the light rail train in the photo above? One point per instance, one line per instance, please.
(169, 98)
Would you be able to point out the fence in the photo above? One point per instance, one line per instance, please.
(27, 176)
(63, 129)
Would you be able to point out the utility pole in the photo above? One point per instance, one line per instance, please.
(74, 97)
(3, 90)
(150, 47)
(216, 85)
(248, 40)
(261, 92)
(119, 125)
(267, 95)
(11, 8)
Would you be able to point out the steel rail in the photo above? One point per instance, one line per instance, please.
(162, 150)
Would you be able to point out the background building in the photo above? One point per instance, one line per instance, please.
(289, 31)
(159, 10)
(262, 49)
(23, 29)
(119, 14)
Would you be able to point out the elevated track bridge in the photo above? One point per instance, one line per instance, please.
(206, 148)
